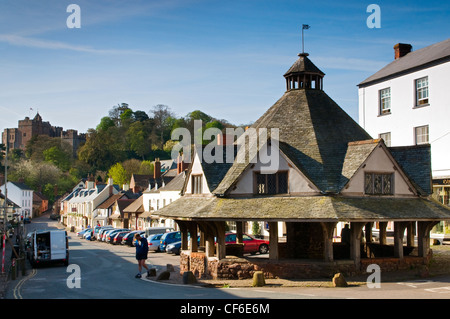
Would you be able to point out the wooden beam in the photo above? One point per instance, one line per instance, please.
(423, 237)
(273, 241)
(328, 230)
(355, 242)
(399, 231)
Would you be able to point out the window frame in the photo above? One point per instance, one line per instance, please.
(427, 134)
(373, 191)
(197, 184)
(418, 90)
(381, 109)
(266, 192)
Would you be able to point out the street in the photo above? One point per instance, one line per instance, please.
(107, 272)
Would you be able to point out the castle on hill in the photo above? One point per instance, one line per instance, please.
(17, 138)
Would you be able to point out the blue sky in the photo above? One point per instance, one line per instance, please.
(226, 58)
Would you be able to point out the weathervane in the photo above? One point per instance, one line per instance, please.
(305, 26)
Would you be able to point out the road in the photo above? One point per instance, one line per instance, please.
(107, 272)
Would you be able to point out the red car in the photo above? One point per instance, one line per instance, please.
(251, 244)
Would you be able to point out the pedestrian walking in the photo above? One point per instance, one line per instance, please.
(141, 254)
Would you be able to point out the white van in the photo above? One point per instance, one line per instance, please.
(49, 246)
(157, 230)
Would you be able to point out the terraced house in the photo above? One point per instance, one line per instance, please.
(330, 172)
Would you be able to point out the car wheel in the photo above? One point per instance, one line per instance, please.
(263, 249)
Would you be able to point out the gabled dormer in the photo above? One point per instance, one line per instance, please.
(370, 169)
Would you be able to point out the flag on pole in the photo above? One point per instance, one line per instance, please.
(305, 26)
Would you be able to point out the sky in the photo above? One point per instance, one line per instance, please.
(225, 58)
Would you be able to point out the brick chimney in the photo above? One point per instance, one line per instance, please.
(402, 49)
(157, 169)
(181, 164)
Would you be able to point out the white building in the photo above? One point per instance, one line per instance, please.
(159, 197)
(22, 195)
(408, 103)
(81, 205)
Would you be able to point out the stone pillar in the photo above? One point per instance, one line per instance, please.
(328, 229)
(184, 234)
(194, 234)
(423, 237)
(382, 234)
(221, 250)
(399, 231)
(411, 228)
(273, 241)
(239, 232)
(368, 232)
(355, 242)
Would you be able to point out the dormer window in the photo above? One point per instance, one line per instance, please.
(378, 183)
(270, 184)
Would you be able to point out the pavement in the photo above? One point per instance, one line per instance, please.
(441, 257)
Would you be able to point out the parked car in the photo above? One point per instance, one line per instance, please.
(251, 244)
(168, 238)
(154, 242)
(102, 232)
(88, 234)
(128, 238)
(118, 237)
(82, 232)
(174, 248)
(110, 235)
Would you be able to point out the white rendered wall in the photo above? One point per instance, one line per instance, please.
(405, 116)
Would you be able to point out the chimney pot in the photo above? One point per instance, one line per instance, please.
(402, 49)
(157, 169)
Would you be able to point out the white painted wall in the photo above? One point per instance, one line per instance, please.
(297, 182)
(23, 198)
(405, 116)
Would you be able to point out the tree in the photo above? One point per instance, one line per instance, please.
(105, 123)
(118, 174)
(117, 111)
(140, 116)
(58, 157)
(146, 168)
(161, 115)
(137, 138)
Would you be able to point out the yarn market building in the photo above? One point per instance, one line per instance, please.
(330, 172)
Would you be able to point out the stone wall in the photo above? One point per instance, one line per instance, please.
(244, 268)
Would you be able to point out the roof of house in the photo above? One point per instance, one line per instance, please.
(305, 208)
(415, 162)
(136, 206)
(111, 200)
(303, 65)
(21, 185)
(422, 58)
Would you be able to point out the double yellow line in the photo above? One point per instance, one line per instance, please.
(19, 285)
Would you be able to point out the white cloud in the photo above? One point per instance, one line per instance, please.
(56, 45)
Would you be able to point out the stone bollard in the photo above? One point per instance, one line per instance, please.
(258, 279)
(165, 275)
(189, 278)
(339, 281)
(152, 272)
(170, 268)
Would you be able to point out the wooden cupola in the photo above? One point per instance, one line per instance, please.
(303, 74)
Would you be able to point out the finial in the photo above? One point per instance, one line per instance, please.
(304, 27)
